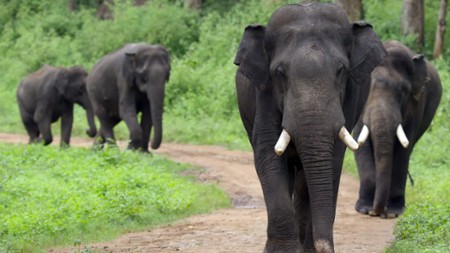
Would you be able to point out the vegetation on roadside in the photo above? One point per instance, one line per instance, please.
(51, 196)
(200, 104)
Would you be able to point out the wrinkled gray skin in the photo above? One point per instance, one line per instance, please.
(49, 94)
(308, 72)
(406, 90)
(126, 82)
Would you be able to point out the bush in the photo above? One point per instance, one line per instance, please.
(50, 196)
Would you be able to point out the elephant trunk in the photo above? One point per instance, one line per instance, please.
(316, 154)
(315, 147)
(383, 145)
(156, 98)
(383, 126)
(86, 104)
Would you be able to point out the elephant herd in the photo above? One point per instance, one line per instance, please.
(120, 85)
(304, 81)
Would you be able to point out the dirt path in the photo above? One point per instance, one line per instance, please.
(242, 228)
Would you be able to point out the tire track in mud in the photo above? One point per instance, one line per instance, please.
(238, 229)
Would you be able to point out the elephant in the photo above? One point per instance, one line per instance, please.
(128, 81)
(405, 93)
(48, 94)
(301, 83)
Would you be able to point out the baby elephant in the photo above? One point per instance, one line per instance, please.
(48, 94)
(126, 82)
(405, 93)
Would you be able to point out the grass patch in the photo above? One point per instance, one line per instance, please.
(50, 196)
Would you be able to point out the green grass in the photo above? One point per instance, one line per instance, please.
(50, 196)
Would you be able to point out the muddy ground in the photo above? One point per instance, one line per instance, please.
(243, 227)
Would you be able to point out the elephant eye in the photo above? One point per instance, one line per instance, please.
(279, 71)
(144, 78)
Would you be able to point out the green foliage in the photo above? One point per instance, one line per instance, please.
(200, 97)
(50, 196)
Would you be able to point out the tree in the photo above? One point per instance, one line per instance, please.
(353, 8)
(104, 9)
(440, 29)
(71, 5)
(413, 21)
(193, 4)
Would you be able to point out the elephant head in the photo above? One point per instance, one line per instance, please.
(72, 87)
(147, 69)
(310, 69)
(397, 96)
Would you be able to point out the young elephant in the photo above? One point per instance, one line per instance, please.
(405, 93)
(126, 82)
(48, 94)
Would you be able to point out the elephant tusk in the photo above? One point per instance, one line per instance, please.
(363, 135)
(345, 136)
(402, 136)
(282, 142)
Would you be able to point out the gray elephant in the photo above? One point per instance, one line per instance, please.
(126, 82)
(49, 94)
(405, 93)
(302, 81)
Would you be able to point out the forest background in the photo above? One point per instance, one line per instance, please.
(200, 103)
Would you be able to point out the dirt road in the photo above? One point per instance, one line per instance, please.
(242, 228)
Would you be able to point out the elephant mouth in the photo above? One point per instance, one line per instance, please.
(344, 136)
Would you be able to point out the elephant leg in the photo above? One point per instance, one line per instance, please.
(44, 125)
(32, 129)
(66, 127)
(106, 131)
(396, 202)
(135, 131)
(366, 170)
(146, 126)
(303, 210)
(282, 230)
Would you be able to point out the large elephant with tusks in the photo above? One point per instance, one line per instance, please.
(126, 82)
(302, 82)
(404, 96)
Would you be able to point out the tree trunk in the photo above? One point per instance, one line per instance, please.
(71, 5)
(139, 2)
(193, 4)
(104, 10)
(440, 29)
(413, 21)
(353, 8)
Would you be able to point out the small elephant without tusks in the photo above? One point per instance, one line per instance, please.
(405, 93)
(301, 83)
(126, 82)
(49, 94)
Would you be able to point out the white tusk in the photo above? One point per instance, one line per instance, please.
(363, 135)
(282, 142)
(402, 136)
(345, 136)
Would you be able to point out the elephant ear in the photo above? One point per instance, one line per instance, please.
(61, 82)
(367, 52)
(165, 59)
(129, 65)
(420, 76)
(251, 56)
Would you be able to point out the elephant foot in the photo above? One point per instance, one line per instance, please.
(283, 247)
(364, 206)
(388, 213)
(395, 208)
